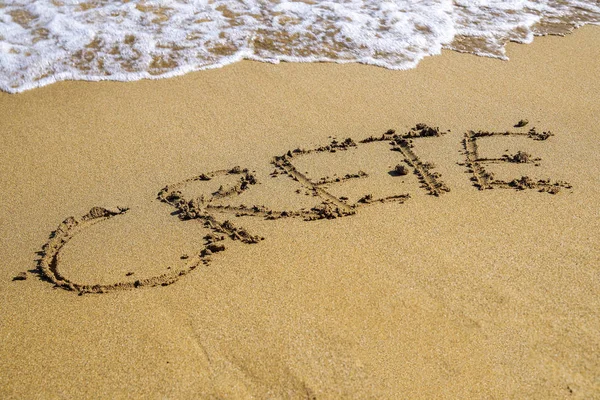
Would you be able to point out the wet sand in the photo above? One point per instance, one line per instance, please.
(351, 254)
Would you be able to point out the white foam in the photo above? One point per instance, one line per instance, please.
(44, 41)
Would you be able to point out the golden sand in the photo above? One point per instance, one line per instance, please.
(434, 270)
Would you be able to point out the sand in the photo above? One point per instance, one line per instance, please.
(459, 263)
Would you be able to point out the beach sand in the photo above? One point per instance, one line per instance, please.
(469, 294)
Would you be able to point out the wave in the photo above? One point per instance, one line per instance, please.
(45, 41)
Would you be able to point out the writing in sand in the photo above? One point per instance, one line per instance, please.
(192, 201)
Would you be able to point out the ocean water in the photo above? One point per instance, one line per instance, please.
(44, 41)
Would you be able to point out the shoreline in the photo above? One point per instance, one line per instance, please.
(187, 69)
(471, 293)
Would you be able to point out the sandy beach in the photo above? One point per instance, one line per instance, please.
(449, 276)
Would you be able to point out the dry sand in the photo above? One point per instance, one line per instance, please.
(469, 294)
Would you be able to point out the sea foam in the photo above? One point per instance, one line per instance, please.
(44, 41)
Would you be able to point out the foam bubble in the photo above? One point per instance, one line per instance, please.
(44, 41)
